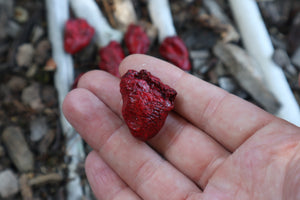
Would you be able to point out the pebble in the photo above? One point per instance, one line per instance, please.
(227, 83)
(49, 96)
(42, 52)
(199, 59)
(45, 143)
(25, 55)
(16, 83)
(9, 183)
(6, 12)
(32, 70)
(17, 148)
(37, 33)
(21, 14)
(38, 128)
(13, 29)
(7, 7)
(31, 96)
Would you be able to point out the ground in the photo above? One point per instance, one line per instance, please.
(28, 97)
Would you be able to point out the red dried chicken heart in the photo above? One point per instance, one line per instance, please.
(111, 57)
(174, 50)
(136, 40)
(146, 103)
(78, 34)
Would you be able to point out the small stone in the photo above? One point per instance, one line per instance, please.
(199, 54)
(31, 96)
(199, 59)
(25, 55)
(9, 183)
(49, 96)
(37, 33)
(46, 142)
(17, 148)
(227, 83)
(32, 70)
(21, 14)
(16, 83)
(13, 29)
(38, 128)
(42, 52)
(6, 11)
(7, 7)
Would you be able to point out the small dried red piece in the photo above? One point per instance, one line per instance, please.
(78, 34)
(136, 40)
(146, 103)
(111, 57)
(174, 50)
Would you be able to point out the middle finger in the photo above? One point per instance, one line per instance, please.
(188, 148)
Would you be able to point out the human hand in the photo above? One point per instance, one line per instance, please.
(213, 146)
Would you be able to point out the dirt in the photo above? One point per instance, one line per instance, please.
(27, 91)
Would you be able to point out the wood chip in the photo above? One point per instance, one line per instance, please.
(241, 66)
(26, 190)
(45, 179)
(18, 149)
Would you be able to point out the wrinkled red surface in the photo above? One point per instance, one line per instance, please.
(78, 34)
(146, 103)
(111, 57)
(136, 40)
(174, 50)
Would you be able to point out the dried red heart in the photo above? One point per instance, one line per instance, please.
(78, 34)
(146, 103)
(136, 40)
(174, 50)
(111, 57)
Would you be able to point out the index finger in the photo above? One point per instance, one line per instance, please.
(225, 117)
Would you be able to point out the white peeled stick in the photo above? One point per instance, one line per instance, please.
(57, 15)
(161, 17)
(258, 44)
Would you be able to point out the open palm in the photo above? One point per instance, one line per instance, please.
(214, 145)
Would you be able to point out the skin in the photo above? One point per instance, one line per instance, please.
(213, 146)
